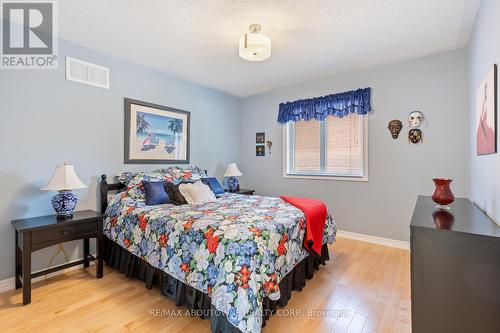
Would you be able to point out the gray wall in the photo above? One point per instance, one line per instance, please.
(47, 121)
(398, 171)
(483, 52)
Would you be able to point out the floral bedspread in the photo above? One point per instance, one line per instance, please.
(236, 249)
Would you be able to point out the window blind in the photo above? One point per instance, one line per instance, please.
(307, 146)
(343, 145)
(332, 147)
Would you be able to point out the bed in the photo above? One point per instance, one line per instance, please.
(232, 261)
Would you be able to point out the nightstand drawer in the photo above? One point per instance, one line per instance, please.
(63, 233)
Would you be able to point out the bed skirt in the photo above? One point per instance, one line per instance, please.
(197, 301)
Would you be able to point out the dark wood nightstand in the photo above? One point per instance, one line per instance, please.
(241, 191)
(37, 233)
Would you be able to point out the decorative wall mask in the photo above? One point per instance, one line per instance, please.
(269, 145)
(415, 136)
(416, 118)
(395, 127)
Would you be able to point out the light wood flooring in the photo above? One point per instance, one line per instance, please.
(363, 288)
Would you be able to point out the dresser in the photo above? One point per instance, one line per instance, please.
(455, 269)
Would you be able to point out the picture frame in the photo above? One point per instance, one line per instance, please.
(486, 114)
(155, 134)
(260, 150)
(260, 137)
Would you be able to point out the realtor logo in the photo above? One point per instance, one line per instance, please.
(29, 35)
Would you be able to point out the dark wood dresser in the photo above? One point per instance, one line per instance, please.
(455, 269)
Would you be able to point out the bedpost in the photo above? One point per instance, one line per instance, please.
(104, 193)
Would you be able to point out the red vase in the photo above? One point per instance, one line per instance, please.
(442, 193)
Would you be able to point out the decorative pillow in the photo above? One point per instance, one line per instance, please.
(135, 186)
(184, 188)
(214, 185)
(196, 193)
(156, 193)
(174, 194)
(178, 175)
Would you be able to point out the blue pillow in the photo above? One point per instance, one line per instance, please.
(214, 185)
(155, 193)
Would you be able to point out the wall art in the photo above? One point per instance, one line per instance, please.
(155, 134)
(395, 127)
(486, 113)
(260, 150)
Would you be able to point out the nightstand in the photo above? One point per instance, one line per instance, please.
(37, 233)
(241, 191)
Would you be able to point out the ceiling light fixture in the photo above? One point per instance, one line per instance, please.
(255, 46)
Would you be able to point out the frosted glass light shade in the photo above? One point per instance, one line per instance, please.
(64, 178)
(232, 170)
(255, 46)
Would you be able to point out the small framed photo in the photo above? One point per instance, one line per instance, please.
(260, 150)
(260, 137)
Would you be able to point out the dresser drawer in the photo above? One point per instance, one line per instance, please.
(63, 233)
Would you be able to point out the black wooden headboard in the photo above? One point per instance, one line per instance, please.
(105, 188)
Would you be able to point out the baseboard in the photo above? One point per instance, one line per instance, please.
(9, 283)
(374, 239)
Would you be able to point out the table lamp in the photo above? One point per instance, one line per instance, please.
(232, 172)
(64, 179)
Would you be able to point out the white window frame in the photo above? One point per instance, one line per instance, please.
(323, 176)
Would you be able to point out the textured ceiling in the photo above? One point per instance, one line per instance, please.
(198, 40)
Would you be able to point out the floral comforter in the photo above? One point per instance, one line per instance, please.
(236, 249)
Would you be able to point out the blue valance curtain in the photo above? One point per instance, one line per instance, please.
(338, 105)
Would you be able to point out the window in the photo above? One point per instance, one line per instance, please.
(334, 148)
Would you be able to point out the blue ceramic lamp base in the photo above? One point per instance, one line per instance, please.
(233, 184)
(64, 204)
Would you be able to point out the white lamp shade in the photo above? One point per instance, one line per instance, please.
(64, 178)
(255, 46)
(232, 170)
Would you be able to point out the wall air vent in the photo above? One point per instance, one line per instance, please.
(87, 73)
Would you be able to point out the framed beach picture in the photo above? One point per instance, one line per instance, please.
(486, 113)
(155, 134)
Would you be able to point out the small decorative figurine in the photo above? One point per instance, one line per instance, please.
(415, 136)
(269, 145)
(416, 118)
(395, 127)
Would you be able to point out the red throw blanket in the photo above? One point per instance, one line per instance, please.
(315, 212)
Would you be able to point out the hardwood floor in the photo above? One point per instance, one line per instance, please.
(364, 286)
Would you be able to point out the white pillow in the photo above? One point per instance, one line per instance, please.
(184, 189)
(196, 193)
